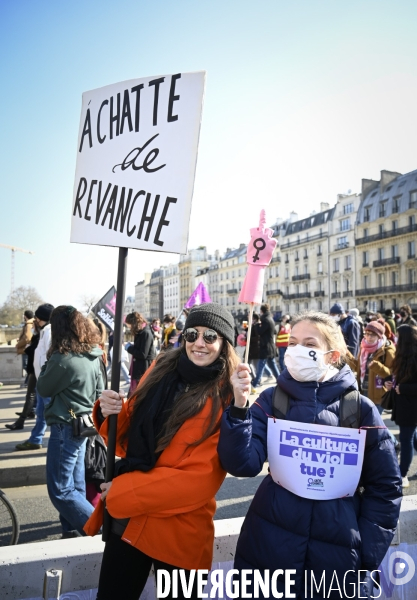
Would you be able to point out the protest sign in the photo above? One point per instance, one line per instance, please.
(319, 462)
(136, 160)
(105, 309)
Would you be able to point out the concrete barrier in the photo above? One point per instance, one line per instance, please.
(23, 568)
(69, 569)
(10, 365)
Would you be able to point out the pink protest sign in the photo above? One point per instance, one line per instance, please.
(260, 250)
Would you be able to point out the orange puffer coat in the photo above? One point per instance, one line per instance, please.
(170, 507)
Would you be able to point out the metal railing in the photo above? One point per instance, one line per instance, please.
(348, 294)
(301, 277)
(311, 238)
(319, 294)
(382, 262)
(297, 296)
(383, 235)
(341, 246)
(388, 289)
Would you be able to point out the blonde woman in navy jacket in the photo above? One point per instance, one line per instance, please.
(286, 531)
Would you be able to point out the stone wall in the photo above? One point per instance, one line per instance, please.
(10, 365)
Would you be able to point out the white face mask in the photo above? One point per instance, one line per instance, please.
(305, 364)
(336, 318)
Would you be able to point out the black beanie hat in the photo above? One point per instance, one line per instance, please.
(214, 316)
(43, 312)
(28, 314)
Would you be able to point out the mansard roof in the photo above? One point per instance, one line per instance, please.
(312, 221)
(398, 189)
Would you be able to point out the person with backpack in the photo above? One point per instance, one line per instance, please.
(284, 530)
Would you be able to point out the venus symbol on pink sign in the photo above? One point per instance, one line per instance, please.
(260, 250)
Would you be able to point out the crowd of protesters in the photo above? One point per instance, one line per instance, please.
(184, 380)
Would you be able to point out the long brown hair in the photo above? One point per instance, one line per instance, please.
(136, 320)
(71, 332)
(190, 403)
(404, 366)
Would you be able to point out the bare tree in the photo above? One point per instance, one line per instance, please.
(21, 299)
(88, 301)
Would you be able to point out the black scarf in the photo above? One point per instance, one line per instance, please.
(149, 420)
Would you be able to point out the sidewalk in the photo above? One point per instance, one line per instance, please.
(28, 467)
(25, 467)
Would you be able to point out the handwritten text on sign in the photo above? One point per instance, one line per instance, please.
(315, 461)
(136, 159)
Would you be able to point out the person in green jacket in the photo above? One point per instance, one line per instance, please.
(72, 378)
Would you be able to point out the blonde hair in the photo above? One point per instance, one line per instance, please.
(328, 328)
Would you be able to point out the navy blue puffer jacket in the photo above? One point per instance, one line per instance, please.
(285, 531)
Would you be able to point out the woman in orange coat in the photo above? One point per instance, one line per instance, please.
(162, 498)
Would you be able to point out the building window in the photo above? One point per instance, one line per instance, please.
(342, 242)
(344, 224)
(335, 290)
(381, 229)
(381, 280)
(305, 253)
(305, 288)
(411, 275)
(320, 305)
(365, 282)
(305, 305)
(296, 271)
(396, 204)
(319, 252)
(287, 274)
(335, 265)
(296, 255)
(297, 289)
(367, 213)
(348, 262)
(287, 291)
(297, 307)
(320, 286)
(412, 220)
(394, 251)
(319, 267)
(381, 252)
(365, 232)
(287, 308)
(305, 269)
(365, 259)
(383, 209)
(411, 249)
(287, 260)
(348, 208)
(413, 199)
(394, 226)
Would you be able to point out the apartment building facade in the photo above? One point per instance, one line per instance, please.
(142, 296)
(156, 287)
(188, 267)
(386, 238)
(342, 263)
(171, 287)
(305, 262)
(232, 268)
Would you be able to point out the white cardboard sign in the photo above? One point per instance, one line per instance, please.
(315, 461)
(136, 160)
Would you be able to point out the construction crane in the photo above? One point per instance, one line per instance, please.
(14, 249)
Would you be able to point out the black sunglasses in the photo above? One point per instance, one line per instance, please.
(209, 336)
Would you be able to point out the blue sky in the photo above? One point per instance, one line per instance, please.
(303, 100)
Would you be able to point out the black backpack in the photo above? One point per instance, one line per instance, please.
(95, 459)
(349, 413)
